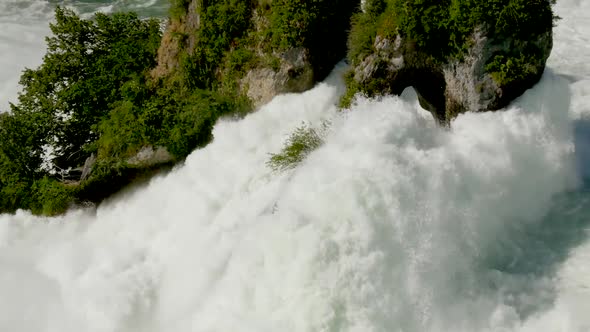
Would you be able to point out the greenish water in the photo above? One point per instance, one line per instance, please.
(145, 8)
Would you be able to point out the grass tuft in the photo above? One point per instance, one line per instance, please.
(300, 143)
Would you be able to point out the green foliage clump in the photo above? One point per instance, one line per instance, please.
(290, 22)
(300, 143)
(223, 24)
(508, 69)
(320, 26)
(51, 197)
(180, 122)
(86, 69)
(178, 8)
(363, 32)
(296, 23)
(193, 118)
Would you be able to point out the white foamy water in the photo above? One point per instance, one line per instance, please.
(392, 225)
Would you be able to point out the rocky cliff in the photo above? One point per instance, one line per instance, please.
(458, 55)
(259, 48)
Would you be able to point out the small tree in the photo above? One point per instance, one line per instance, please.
(88, 62)
(90, 67)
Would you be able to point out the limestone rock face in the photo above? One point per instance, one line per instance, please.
(295, 74)
(469, 87)
(87, 168)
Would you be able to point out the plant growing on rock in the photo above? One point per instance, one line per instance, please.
(460, 55)
(236, 46)
(300, 143)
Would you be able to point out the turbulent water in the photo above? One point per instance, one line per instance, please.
(393, 224)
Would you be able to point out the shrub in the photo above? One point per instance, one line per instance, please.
(83, 98)
(223, 23)
(120, 134)
(51, 197)
(362, 36)
(89, 65)
(299, 144)
(178, 8)
(15, 193)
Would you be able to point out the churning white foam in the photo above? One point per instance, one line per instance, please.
(394, 224)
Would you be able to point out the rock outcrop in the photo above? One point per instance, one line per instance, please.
(483, 69)
(470, 86)
(285, 46)
(295, 73)
(150, 157)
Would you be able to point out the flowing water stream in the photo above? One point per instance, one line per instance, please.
(393, 224)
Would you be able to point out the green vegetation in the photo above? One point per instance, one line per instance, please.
(51, 197)
(440, 30)
(302, 23)
(300, 143)
(507, 69)
(89, 66)
(93, 96)
(320, 26)
(223, 24)
(178, 8)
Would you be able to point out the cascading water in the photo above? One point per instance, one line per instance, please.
(393, 224)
